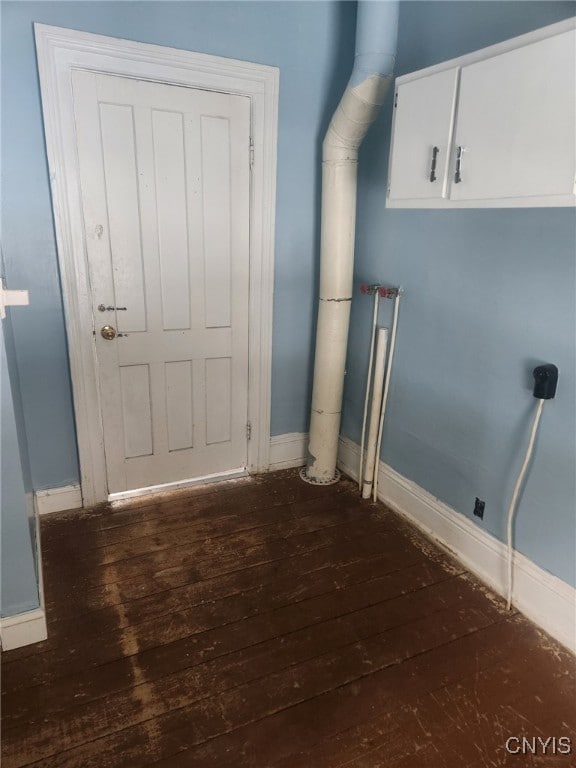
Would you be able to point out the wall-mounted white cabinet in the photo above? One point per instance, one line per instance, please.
(495, 128)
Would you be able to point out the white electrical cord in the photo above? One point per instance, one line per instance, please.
(517, 487)
(368, 381)
(386, 388)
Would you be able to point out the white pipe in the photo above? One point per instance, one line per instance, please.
(386, 391)
(515, 494)
(368, 382)
(376, 32)
(377, 389)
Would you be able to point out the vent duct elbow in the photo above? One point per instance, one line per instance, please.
(376, 33)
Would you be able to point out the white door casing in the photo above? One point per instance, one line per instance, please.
(165, 182)
(59, 52)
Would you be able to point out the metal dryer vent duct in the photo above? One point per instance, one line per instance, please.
(376, 34)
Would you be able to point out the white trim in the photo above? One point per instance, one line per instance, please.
(28, 627)
(39, 561)
(288, 450)
(538, 201)
(23, 629)
(59, 50)
(231, 474)
(58, 499)
(542, 597)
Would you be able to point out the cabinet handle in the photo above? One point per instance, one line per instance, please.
(458, 173)
(433, 176)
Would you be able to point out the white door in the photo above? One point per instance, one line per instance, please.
(423, 118)
(517, 122)
(165, 184)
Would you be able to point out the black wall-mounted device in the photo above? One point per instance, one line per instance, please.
(545, 381)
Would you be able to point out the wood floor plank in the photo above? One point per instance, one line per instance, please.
(268, 623)
(353, 540)
(135, 610)
(302, 518)
(116, 563)
(465, 720)
(91, 683)
(177, 691)
(81, 594)
(84, 525)
(117, 584)
(209, 555)
(279, 737)
(188, 524)
(74, 601)
(115, 522)
(255, 616)
(221, 713)
(489, 706)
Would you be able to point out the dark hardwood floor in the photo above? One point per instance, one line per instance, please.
(273, 624)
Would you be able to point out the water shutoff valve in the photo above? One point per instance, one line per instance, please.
(545, 381)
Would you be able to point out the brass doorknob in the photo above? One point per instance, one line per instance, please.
(108, 332)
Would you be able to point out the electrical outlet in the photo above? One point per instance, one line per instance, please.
(479, 508)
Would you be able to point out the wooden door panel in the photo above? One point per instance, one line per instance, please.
(136, 411)
(121, 182)
(171, 210)
(218, 400)
(179, 404)
(216, 192)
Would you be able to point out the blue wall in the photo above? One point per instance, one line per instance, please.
(312, 43)
(488, 295)
(18, 567)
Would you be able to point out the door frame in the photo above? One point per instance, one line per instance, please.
(58, 51)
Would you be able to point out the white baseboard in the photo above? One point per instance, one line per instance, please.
(542, 597)
(288, 450)
(23, 629)
(28, 627)
(58, 499)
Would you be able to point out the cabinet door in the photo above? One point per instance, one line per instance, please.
(423, 121)
(516, 123)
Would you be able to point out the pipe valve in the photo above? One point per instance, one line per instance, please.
(383, 291)
(389, 293)
(369, 290)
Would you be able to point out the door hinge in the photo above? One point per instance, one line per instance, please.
(248, 430)
(251, 152)
(396, 99)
